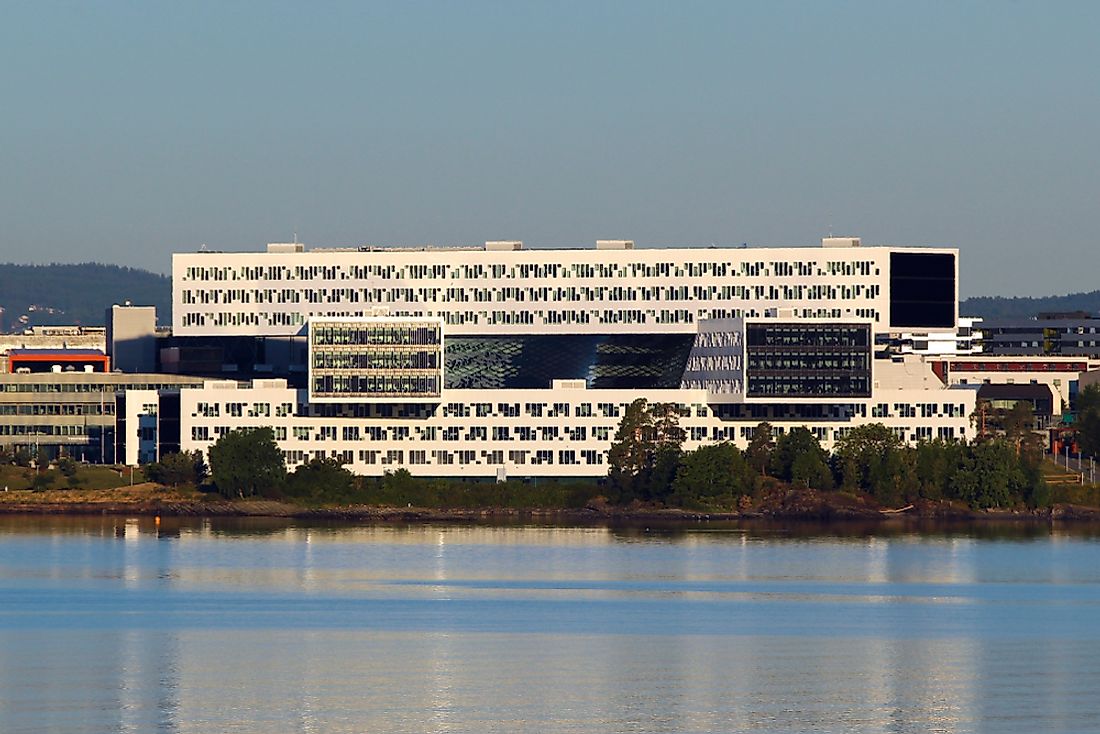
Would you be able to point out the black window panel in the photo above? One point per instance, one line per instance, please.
(922, 290)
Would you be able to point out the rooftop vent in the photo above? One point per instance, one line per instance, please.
(840, 241)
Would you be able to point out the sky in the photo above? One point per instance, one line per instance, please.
(131, 130)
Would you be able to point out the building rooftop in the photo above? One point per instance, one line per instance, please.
(56, 353)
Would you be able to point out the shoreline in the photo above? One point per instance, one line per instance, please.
(821, 511)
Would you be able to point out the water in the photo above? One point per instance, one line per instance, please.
(116, 625)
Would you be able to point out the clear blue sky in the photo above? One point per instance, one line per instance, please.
(129, 130)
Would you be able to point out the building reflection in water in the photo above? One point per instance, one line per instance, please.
(188, 627)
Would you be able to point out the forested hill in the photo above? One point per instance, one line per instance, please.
(36, 295)
(999, 307)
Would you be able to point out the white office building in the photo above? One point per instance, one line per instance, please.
(500, 361)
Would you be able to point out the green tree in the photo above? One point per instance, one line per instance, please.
(1018, 421)
(760, 448)
(247, 463)
(714, 475)
(980, 419)
(22, 457)
(1088, 400)
(631, 451)
(43, 480)
(811, 470)
(645, 454)
(1088, 420)
(67, 467)
(801, 445)
(69, 470)
(991, 476)
(322, 479)
(873, 459)
(174, 469)
(935, 464)
(1088, 433)
(668, 437)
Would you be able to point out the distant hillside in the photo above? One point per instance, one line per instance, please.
(43, 295)
(999, 307)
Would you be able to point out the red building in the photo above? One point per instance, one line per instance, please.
(57, 360)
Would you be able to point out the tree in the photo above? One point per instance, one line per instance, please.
(631, 451)
(979, 419)
(760, 448)
(935, 464)
(21, 457)
(1088, 420)
(645, 454)
(174, 469)
(1018, 421)
(873, 459)
(810, 470)
(247, 463)
(1088, 400)
(320, 479)
(69, 470)
(668, 438)
(991, 476)
(1088, 432)
(800, 445)
(713, 475)
(43, 480)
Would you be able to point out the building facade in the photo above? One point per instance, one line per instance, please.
(505, 362)
(51, 414)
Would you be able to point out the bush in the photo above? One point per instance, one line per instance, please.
(174, 469)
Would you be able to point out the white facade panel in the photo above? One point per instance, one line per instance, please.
(486, 292)
(550, 433)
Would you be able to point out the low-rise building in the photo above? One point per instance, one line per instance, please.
(51, 414)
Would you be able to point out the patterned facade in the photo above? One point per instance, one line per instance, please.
(494, 362)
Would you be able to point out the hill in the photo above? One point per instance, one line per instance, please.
(44, 295)
(1000, 307)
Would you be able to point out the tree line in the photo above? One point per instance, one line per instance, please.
(648, 463)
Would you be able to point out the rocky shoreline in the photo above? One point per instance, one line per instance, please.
(787, 505)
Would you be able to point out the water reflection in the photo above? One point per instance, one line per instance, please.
(115, 624)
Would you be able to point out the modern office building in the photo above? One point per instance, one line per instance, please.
(50, 414)
(1073, 334)
(500, 361)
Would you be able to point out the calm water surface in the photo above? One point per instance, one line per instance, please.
(116, 625)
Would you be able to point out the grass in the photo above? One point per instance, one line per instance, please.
(87, 477)
(1066, 487)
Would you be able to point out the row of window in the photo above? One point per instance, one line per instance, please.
(106, 408)
(377, 359)
(373, 385)
(45, 429)
(369, 334)
(717, 268)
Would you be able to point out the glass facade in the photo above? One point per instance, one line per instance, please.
(808, 360)
(603, 361)
(375, 359)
